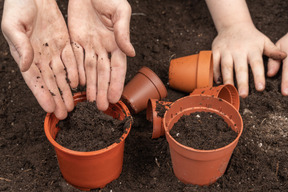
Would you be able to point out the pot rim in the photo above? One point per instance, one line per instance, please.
(50, 118)
(211, 110)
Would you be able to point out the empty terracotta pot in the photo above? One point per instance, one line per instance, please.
(145, 85)
(94, 169)
(227, 92)
(200, 167)
(153, 115)
(191, 72)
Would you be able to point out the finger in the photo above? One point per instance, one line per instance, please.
(34, 80)
(61, 79)
(271, 51)
(50, 81)
(273, 65)
(91, 74)
(20, 46)
(284, 84)
(69, 62)
(216, 67)
(227, 68)
(117, 79)
(103, 78)
(79, 56)
(256, 62)
(121, 22)
(241, 71)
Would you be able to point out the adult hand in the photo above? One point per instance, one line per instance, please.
(236, 47)
(39, 42)
(274, 65)
(99, 31)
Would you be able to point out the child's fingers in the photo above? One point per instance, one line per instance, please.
(272, 51)
(256, 62)
(273, 67)
(241, 72)
(227, 68)
(216, 67)
(284, 84)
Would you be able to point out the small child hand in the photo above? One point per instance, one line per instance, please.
(274, 65)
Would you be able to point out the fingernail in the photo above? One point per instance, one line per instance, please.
(285, 91)
(242, 93)
(260, 87)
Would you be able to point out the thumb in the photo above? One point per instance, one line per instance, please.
(273, 52)
(121, 28)
(20, 47)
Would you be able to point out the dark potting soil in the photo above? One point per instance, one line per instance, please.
(161, 108)
(160, 30)
(203, 130)
(88, 129)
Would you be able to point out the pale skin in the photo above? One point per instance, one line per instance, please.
(99, 32)
(39, 42)
(239, 44)
(274, 65)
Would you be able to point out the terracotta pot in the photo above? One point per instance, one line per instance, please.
(152, 115)
(227, 92)
(94, 169)
(201, 167)
(145, 85)
(191, 72)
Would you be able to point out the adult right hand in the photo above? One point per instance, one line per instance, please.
(39, 43)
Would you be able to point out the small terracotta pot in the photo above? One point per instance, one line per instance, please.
(201, 167)
(145, 85)
(191, 72)
(227, 92)
(152, 115)
(93, 169)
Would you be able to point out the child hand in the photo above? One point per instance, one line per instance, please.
(274, 65)
(236, 47)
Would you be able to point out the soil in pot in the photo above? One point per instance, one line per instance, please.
(203, 130)
(88, 129)
(161, 108)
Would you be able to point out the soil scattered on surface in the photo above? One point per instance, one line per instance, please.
(203, 130)
(88, 129)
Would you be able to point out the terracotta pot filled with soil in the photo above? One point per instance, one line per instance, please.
(89, 144)
(191, 72)
(145, 85)
(155, 112)
(227, 92)
(202, 132)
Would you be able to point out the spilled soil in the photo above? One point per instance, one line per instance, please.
(160, 30)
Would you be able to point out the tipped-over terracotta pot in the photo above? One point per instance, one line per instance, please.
(93, 169)
(227, 92)
(200, 167)
(153, 115)
(145, 85)
(191, 72)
